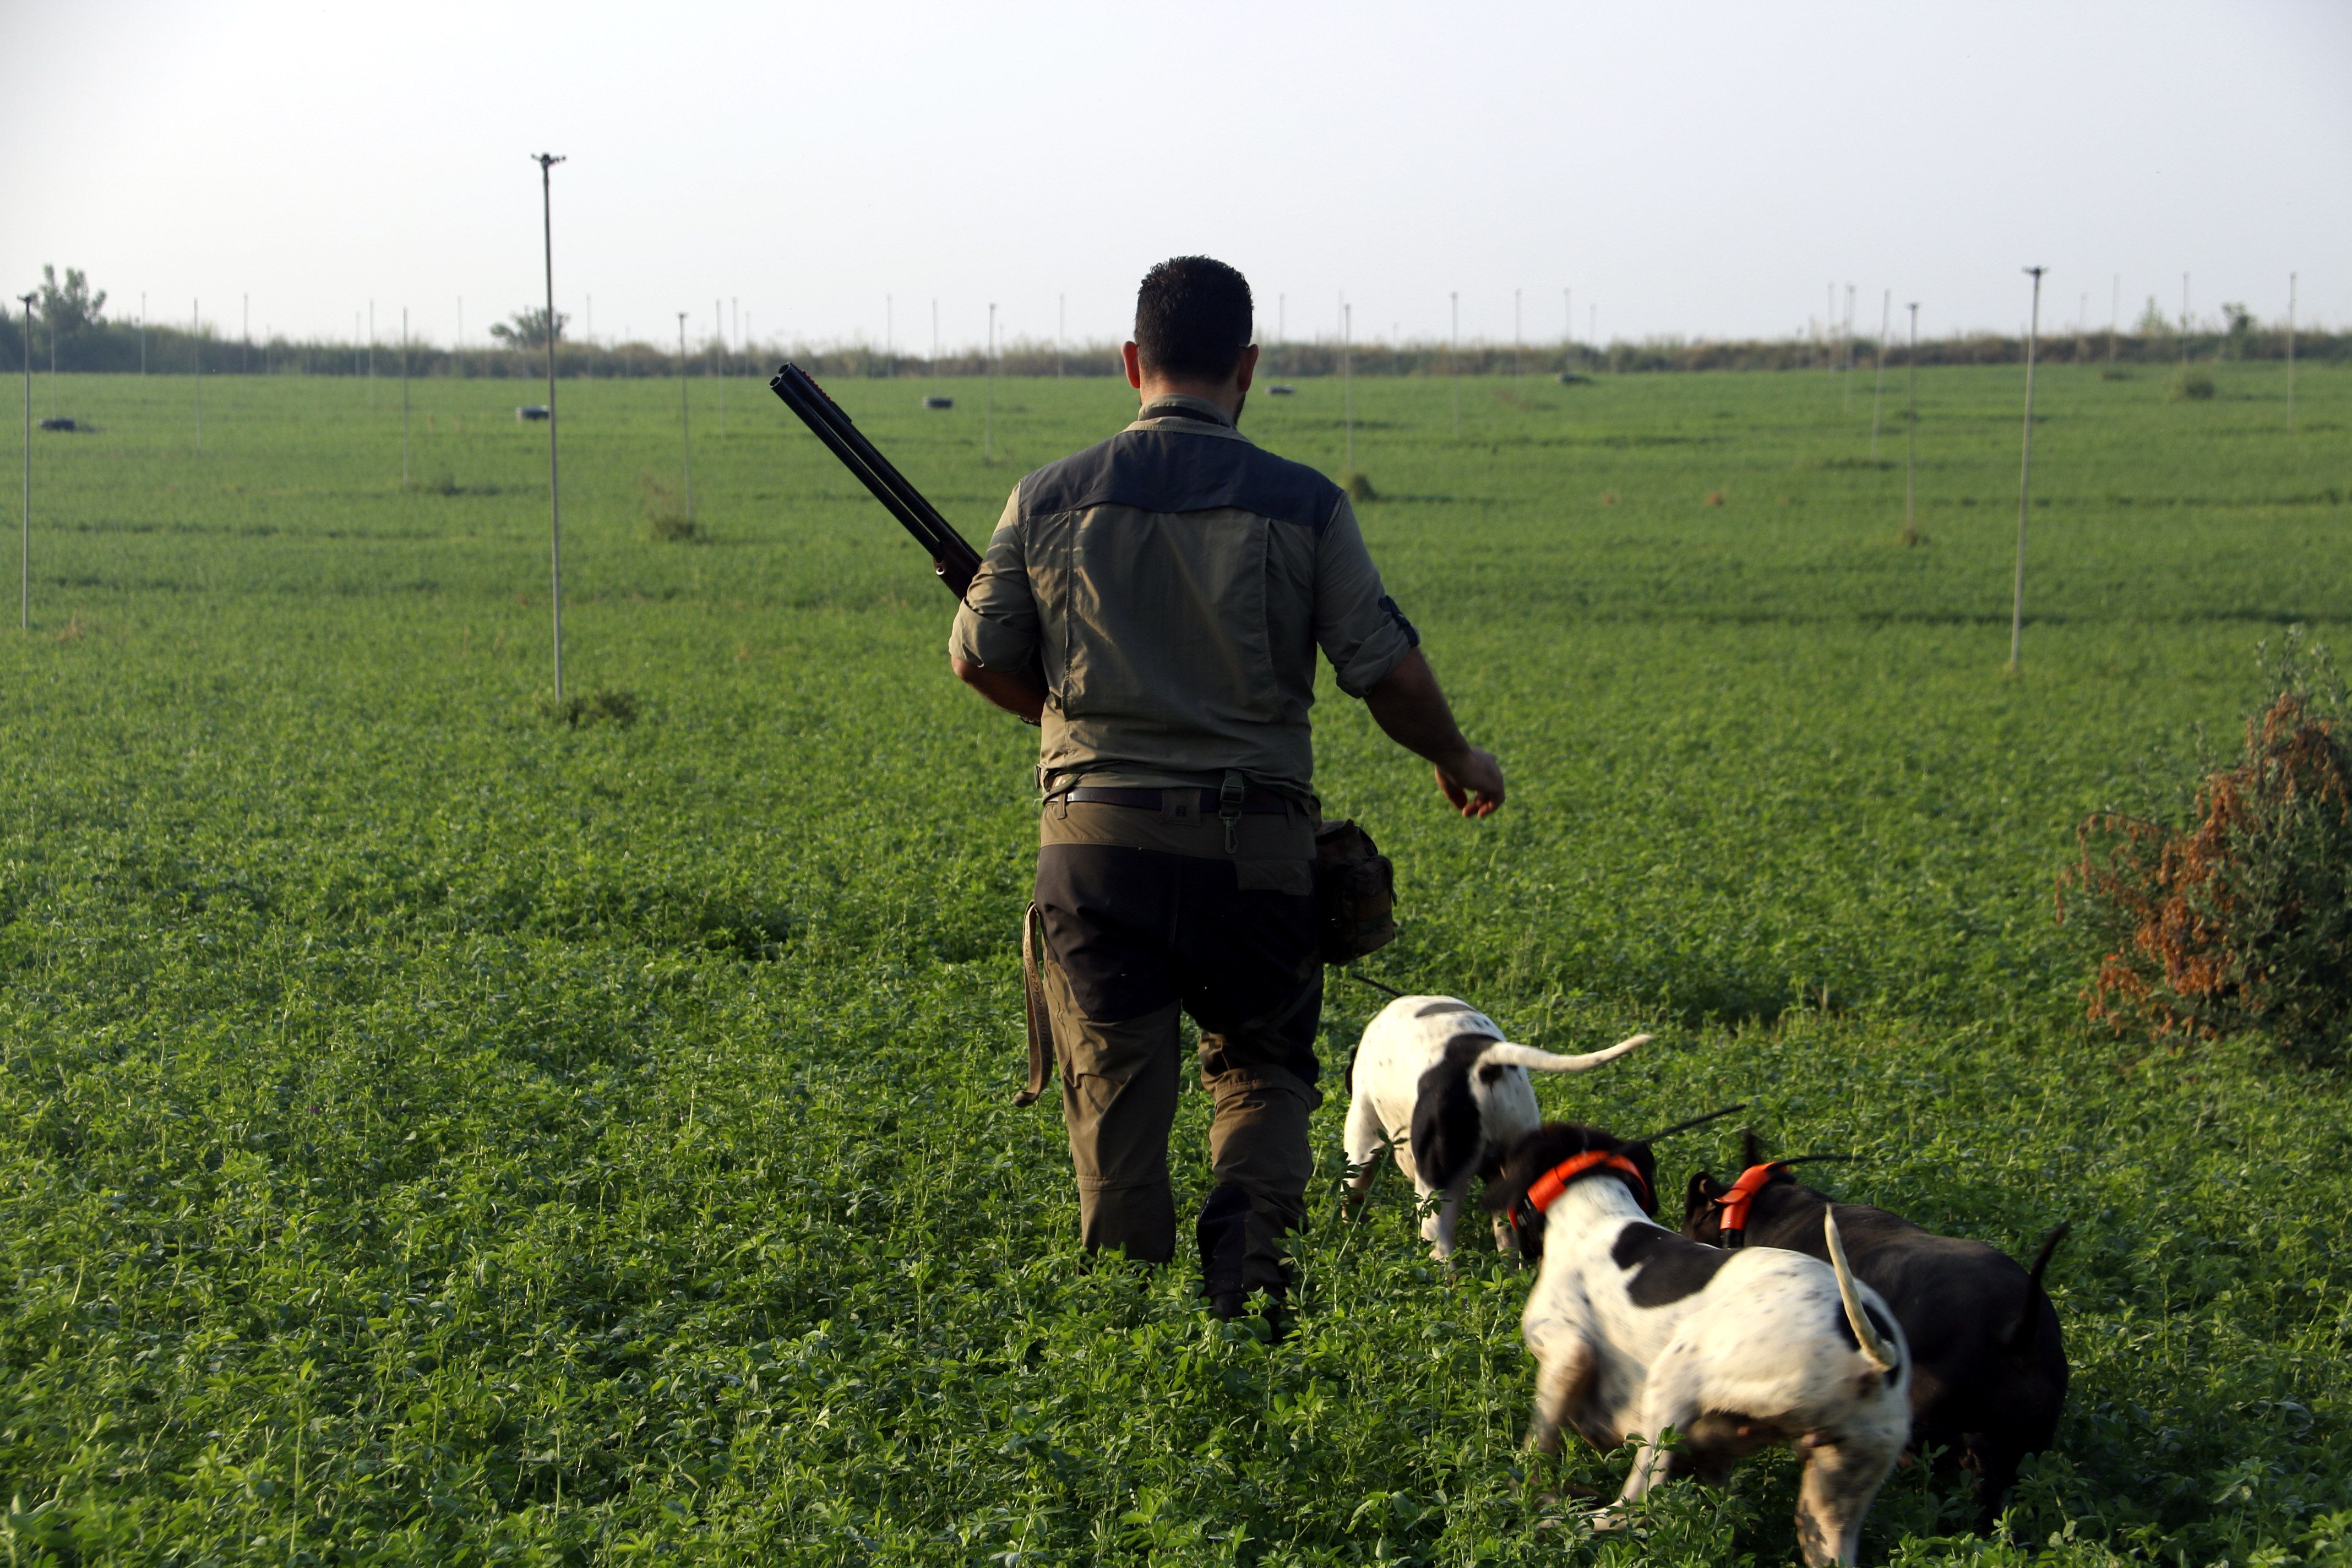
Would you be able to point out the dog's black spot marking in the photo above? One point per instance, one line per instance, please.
(1877, 1321)
(1667, 1267)
(1431, 1009)
(1449, 1136)
(1490, 1072)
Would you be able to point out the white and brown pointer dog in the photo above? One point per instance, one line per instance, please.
(1434, 1080)
(1636, 1329)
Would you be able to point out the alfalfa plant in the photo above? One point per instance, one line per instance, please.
(665, 516)
(2239, 921)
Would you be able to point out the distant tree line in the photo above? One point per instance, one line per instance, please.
(69, 322)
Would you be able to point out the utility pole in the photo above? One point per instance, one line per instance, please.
(25, 582)
(988, 418)
(1281, 317)
(684, 431)
(547, 162)
(371, 354)
(1568, 339)
(197, 354)
(1454, 356)
(1847, 330)
(2115, 316)
(1878, 394)
(2184, 318)
(1348, 378)
(2024, 477)
(1519, 339)
(404, 397)
(889, 334)
(1061, 331)
(2290, 353)
(720, 340)
(1911, 427)
(245, 335)
(142, 333)
(53, 364)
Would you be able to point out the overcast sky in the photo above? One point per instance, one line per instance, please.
(1700, 169)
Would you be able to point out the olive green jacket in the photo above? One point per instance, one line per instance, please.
(1178, 578)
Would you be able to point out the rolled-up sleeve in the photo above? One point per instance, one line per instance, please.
(1359, 626)
(996, 626)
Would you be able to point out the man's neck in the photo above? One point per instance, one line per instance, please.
(1227, 397)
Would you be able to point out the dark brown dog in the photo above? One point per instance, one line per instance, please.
(1988, 1368)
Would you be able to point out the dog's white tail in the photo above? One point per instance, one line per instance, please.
(1874, 1348)
(1535, 1060)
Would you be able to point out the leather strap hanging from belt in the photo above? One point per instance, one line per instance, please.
(1032, 998)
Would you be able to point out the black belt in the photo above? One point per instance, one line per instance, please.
(1254, 803)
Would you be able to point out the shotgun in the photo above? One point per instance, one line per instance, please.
(953, 559)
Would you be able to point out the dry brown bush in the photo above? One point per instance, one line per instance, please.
(2241, 920)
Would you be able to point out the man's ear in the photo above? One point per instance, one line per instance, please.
(1133, 355)
(1246, 369)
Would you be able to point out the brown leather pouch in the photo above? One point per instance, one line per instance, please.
(1355, 893)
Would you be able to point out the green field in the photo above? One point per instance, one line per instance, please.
(430, 1133)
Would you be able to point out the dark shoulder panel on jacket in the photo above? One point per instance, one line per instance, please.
(1169, 471)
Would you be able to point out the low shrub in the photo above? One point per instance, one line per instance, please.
(1359, 487)
(2190, 384)
(2241, 920)
(604, 705)
(665, 516)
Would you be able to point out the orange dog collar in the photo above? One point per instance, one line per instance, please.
(1735, 1203)
(1545, 1189)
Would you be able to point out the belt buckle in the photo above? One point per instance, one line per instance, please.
(1229, 810)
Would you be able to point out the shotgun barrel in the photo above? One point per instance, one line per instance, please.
(953, 557)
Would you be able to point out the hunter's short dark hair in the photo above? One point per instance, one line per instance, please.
(1192, 318)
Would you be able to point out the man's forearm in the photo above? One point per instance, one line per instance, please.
(1018, 692)
(1413, 711)
(1408, 705)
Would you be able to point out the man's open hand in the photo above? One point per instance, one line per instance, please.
(1473, 783)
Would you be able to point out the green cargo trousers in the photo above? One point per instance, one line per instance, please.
(1137, 933)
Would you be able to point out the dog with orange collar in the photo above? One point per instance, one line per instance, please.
(1433, 1080)
(1635, 1331)
(1989, 1367)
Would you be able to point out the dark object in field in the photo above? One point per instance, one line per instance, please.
(604, 705)
(2242, 919)
(939, 402)
(1987, 1365)
(1569, 378)
(955, 560)
(62, 422)
(1360, 488)
(2191, 386)
(530, 411)
(1280, 389)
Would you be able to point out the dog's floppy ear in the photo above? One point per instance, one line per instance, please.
(1699, 1214)
(1751, 1148)
(1647, 1164)
(1448, 1133)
